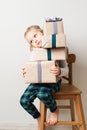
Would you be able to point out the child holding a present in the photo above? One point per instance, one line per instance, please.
(42, 91)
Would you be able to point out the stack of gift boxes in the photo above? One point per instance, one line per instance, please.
(53, 49)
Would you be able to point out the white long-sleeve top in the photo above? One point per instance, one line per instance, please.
(63, 67)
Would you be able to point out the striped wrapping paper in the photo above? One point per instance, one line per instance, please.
(53, 28)
(54, 41)
(41, 54)
(39, 72)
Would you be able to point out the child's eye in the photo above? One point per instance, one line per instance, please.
(35, 35)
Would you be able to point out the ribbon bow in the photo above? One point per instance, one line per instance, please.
(55, 19)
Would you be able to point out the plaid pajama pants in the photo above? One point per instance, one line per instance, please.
(42, 91)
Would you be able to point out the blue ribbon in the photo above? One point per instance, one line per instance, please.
(55, 29)
(49, 53)
(53, 41)
(55, 19)
(39, 69)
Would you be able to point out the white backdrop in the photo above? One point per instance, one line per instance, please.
(15, 17)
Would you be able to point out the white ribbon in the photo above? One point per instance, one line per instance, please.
(55, 19)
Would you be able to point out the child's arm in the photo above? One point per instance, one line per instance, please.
(55, 70)
(59, 71)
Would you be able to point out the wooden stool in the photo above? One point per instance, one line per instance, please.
(73, 94)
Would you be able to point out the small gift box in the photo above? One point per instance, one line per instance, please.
(39, 72)
(54, 41)
(53, 28)
(41, 54)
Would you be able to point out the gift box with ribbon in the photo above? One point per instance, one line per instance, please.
(53, 26)
(39, 72)
(53, 49)
(54, 41)
(42, 54)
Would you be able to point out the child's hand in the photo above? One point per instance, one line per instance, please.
(23, 72)
(55, 70)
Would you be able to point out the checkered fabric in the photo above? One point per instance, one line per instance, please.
(42, 91)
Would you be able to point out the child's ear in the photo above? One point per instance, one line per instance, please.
(43, 30)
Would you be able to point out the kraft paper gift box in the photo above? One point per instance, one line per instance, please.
(41, 54)
(53, 28)
(39, 72)
(54, 41)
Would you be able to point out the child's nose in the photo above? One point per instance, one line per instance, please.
(36, 41)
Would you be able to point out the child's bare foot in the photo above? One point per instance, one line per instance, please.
(39, 121)
(53, 117)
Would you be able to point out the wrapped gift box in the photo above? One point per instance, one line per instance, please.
(41, 54)
(39, 72)
(54, 41)
(53, 28)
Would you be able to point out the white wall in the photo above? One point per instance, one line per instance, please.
(15, 16)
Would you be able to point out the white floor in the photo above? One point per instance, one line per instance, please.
(30, 127)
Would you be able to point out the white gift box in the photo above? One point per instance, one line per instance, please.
(41, 54)
(53, 28)
(39, 72)
(54, 41)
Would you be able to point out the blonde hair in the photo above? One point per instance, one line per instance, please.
(29, 29)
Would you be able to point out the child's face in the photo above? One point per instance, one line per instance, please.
(34, 37)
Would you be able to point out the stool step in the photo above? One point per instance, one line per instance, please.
(64, 107)
(65, 123)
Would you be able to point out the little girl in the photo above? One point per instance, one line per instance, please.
(42, 91)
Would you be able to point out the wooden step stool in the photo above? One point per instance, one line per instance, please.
(73, 94)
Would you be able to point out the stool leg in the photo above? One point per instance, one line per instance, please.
(43, 115)
(72, 113)
(80, 113)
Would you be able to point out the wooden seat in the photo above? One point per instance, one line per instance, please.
(73, 94)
